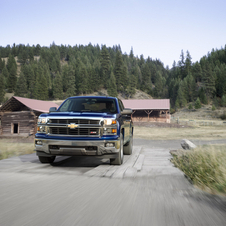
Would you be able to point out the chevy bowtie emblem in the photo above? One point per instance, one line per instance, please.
(72, 126)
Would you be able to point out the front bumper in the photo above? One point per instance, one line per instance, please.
(52, 147)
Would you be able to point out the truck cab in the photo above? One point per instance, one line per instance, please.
(85, 125)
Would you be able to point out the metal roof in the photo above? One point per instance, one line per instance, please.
(147, 104)
(21, 103)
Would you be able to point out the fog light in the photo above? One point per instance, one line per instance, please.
(39, 142)
(41, 129)
(114, 130)
(109, 144)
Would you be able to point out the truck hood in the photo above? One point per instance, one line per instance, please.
(79, 115)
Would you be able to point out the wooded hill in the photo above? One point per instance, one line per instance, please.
(57, 72)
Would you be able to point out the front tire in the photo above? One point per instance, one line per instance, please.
(119, 159)
(43, 159)
(128, 147)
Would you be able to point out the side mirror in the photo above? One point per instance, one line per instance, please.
(127, 111)
(52, 109)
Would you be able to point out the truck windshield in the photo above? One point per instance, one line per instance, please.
(89, 105)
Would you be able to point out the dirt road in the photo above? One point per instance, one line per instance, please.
(146, 190)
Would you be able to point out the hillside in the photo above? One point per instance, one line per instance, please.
(205, 115)
(103, 92)
(57, 72)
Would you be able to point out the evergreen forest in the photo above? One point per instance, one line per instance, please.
(57, 72)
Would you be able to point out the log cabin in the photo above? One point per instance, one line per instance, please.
(18, 116)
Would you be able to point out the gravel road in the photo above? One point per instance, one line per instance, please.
(146, 190)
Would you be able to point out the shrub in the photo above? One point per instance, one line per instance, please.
(172, 110)
(198, 104)
(223, 101)
(213, 108)
(223, 116)
(190, 107)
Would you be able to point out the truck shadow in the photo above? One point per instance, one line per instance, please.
(79, 161)
(67, 161)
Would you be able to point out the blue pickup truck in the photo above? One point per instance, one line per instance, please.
(85, 125)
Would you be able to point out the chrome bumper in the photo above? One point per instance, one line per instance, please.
(77, 148)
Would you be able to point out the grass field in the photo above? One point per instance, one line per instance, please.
(9, 148)
(199, 133)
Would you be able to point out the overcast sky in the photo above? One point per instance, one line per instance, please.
(156, 28)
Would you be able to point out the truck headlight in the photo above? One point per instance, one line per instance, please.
(109, 122)
(42, 120)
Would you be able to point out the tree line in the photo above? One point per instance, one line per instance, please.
(57, 72)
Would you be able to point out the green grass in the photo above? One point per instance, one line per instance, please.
(8, 149)
(205, 166)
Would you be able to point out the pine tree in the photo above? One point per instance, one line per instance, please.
(220, 80)
(190, 87)
(82, 80)
(202, 96)
(197, 72)
(181, 97)
(131, 90)
(11, 62)
(112, 89)
(223, 101)
(188, 63)
(2, 64)
(158, 85)
(23, 55)
(12, 79)
(5, 74)
(181, 65)
(21, 86)
(58, 87)
(198, 104)
(119, 71)
(105, 64)
(209, 81)
(41, 87)
(2, 88)
(70, 87)
(146, 84)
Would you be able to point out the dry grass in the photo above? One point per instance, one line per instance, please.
(205, 166)
(8, 149)
(200, 133)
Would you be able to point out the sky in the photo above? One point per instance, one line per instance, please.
(159, 29)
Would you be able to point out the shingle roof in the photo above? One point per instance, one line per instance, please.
(147, 104)
(37, 105)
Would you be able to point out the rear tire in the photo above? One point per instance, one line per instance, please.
(128, 147)
(43, 159)
(119, 159)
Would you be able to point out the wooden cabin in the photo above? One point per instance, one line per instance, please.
(18, 116)
(149, 110)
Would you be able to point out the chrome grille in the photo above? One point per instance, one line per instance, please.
(76, 121)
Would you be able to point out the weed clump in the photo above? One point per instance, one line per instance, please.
(205, 166)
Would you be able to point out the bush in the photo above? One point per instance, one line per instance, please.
(190, 107)
(205, 166)
(198, 104)
(172, 111)
(213, 108)
(223, 116)
(223, 101)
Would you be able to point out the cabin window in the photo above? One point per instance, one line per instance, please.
(15, 128)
